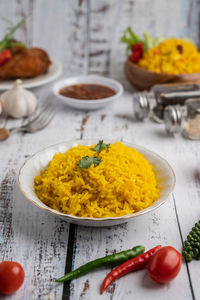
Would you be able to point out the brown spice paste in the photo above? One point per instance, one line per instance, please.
(87, 91)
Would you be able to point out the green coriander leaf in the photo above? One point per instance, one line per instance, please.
(87, 161)
(100, 146)
(96, 160)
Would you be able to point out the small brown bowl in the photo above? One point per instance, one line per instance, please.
(143, 79)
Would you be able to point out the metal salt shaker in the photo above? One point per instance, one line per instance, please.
(152, 104)
(184, 119)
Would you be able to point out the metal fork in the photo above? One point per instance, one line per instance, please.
(37, 123)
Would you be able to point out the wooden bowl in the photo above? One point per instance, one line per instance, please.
(144, 79)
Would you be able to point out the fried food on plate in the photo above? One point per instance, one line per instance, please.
(18, 61)
(25, 63)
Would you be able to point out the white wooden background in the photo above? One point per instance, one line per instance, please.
(84, 35)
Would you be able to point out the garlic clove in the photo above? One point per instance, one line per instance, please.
(17, 84)
(32, 103)
(18, 102)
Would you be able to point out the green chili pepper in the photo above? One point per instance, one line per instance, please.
(104, 261)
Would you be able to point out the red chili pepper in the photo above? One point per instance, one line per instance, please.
(5, 56)
(137, 50)
(133, 264)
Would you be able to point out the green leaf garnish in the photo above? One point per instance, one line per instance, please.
(87, 161)
(100, 146)
(17, 44)
(7, 40)
(130, 38)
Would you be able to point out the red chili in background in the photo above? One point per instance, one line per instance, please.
(137, 51)
(5, 56)
(133, 264)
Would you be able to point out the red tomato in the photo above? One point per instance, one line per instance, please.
(5, 56)
(137, 51)
(11, 277)
(165, 264)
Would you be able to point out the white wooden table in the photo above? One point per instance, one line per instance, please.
(46, 246)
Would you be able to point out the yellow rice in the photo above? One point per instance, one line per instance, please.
(123, 183)
(173, 56)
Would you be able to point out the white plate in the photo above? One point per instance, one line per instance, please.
(89, 79)
(54, 70)
(164, 175)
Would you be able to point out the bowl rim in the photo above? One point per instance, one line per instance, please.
(75, 218)
(119, 89)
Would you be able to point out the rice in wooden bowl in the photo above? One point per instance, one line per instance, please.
(129, 181)
(172, 60)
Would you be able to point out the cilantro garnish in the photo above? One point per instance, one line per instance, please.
(100, 146)
(87, 161)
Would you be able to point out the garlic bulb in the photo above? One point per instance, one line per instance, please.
(18, 102)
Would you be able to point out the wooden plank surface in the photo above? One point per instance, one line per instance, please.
(85, 35)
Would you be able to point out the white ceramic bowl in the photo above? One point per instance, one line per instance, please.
(88, 104)
(164, 175)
